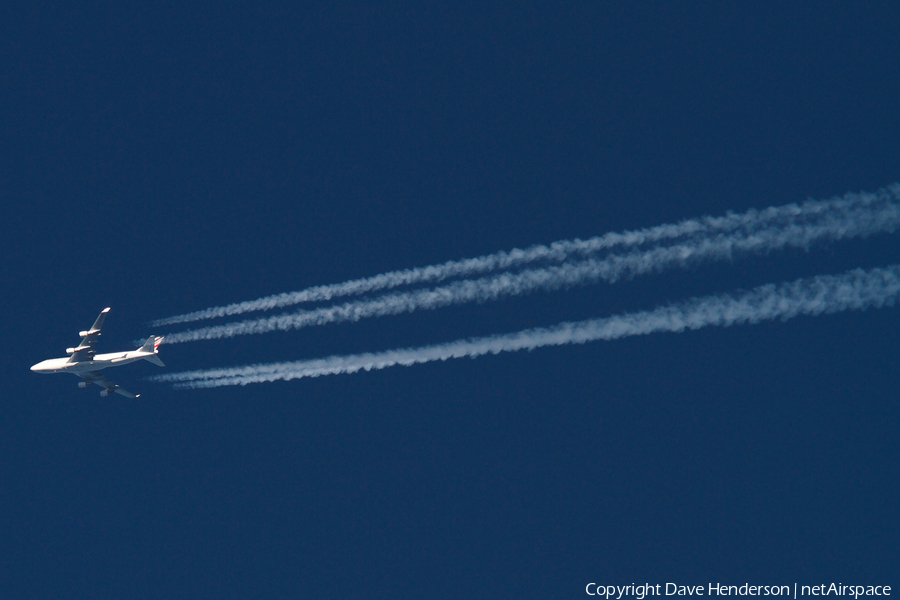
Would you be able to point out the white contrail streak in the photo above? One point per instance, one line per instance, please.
(855, 290)
(746, 223)
(828, 226)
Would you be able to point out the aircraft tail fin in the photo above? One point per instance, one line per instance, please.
(152, 345)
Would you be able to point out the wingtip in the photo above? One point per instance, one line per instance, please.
(105, 310)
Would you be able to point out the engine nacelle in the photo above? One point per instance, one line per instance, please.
(83, 384)
(70, 350)
(104, 393)
(84, 333)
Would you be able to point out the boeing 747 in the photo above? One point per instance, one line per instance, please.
(86, 364)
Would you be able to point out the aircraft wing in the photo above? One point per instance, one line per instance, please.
(97, 378)
(85, 350)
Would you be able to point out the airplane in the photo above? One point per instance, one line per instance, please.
(87, 365)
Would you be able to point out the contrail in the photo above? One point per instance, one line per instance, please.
(561, 251)
(828, 226)
(854, 290)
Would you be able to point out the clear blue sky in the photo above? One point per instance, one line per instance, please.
(167, 158)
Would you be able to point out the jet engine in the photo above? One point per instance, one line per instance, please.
(83, 384)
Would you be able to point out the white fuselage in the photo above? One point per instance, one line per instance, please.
(100, 361)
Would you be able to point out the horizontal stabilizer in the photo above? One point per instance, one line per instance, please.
(155, 360)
